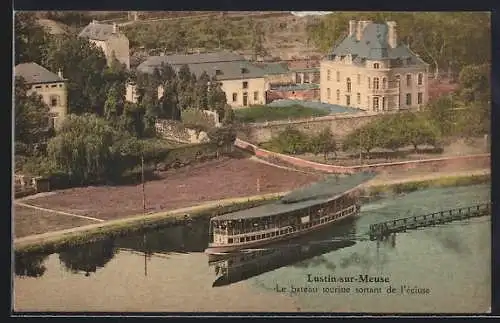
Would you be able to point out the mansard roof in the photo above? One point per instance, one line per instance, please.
(373, 45)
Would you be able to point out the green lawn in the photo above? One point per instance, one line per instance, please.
(260, 113)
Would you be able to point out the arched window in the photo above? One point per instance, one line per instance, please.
(375, 83)
(408, 80)
(384, 83)
(328, 93)
(348, 83)
(420, 78)
(338, 95)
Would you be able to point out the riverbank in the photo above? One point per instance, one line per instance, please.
(55, 240)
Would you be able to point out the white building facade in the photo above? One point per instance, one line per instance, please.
(370, 70)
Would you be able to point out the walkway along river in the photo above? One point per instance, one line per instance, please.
(445, 268)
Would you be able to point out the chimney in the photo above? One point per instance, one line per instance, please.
(392, 37)
(59, 73)
(115, 28)
(352, 27)
(361, 27)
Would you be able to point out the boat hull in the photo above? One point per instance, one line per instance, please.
(216, 250)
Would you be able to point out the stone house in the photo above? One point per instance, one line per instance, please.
(112, 42)
(277, 73)
(243, 82)
(369, 69)
(52, 87)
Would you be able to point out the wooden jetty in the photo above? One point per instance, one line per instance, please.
(384, 229)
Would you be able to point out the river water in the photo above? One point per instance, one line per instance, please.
(446, 268)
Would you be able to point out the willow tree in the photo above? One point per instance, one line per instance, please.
(83, 148)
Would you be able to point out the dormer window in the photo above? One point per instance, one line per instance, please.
(218, 72)
(244, 70)
(376, 65)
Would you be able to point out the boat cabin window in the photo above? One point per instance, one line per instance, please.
(252, 238)
(230, 240)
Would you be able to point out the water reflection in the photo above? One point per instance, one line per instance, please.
(180, 239)
(302, 252)
(88, 258)
(29, 265)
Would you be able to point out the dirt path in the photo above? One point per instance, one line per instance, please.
(57, 212)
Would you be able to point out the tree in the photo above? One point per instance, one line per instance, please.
(83, 148)
(29, 39)
(223, 137)
(216, 97)
(113, 107)
(185, 88)
(475, 83)
(391, 132)
(31, 117)
(441, 113)
(229, 116)
(201, 92)
(291, 141)
(417, 130)
(131, 120)
(170, 108)
(83, 64)
(324, 143)
(364, 139)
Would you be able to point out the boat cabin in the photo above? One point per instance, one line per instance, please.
(233, 229)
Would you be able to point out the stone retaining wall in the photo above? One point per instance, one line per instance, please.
(340, 125)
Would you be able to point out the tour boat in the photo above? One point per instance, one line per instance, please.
(237, 266)
(300, 212)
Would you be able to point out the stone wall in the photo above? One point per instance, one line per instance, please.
(175, 131)
(305, 95)
(434, 164)
(340, 125)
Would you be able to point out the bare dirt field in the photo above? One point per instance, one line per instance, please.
(30, 221)
(209, 181)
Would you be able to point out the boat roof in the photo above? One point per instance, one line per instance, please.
(320, 192)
